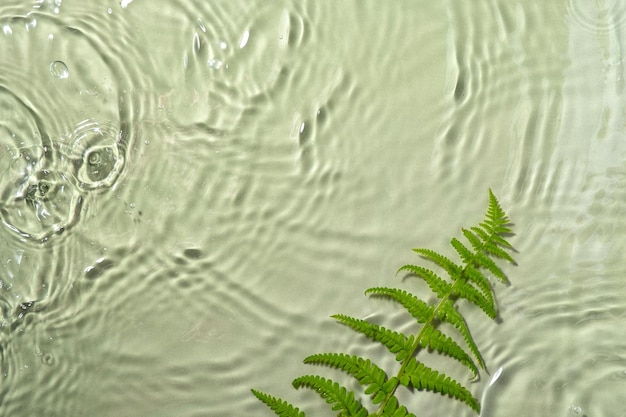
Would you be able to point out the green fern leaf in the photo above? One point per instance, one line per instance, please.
(470, 293)
(489, 237)
(496, 217)
(476, 277)
(466, 255)
(437, 284)
(397, 343)
(467, 279)
(367, 373)
(474, 240)
(485, 262)
(339, 397)
(435, 340)
(431, 337)
(450, 315)
(421, 311)
(421, 377)
(450, 267)
(280, 407)
(394, 409)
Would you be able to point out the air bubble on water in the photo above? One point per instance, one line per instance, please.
(577, 409)
(59, 70)
(8, 30)
(110, 11)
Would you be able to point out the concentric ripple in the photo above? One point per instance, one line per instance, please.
(597, 16)
(97, 155)
(60, 125)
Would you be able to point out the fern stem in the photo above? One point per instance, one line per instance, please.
(462, 279)
(415, 349)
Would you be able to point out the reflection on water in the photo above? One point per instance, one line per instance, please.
(188, 191)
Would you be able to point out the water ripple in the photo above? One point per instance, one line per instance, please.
(599, 17)
(52, 154)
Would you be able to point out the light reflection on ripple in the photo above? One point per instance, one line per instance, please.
(501, 68)
(597, 17)
(540, 93)
(138, 310)
(98, 154)
(235, 165)
(42, 195)
(261, 152)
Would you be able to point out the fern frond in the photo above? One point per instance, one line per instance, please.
(450, 315)
(435, 340)
(487, 235)
(430, 337)
(394, 409)
(476, 277)
(397, 343)
(486, 262)
(450, 267)
(466, 255)
(367, 373)
(479, 282)
(437, 284)
(339, 397)
(421, 311)
(496, 218)
(421, 377)
(281, 407)
(467, 279)
(475, 241)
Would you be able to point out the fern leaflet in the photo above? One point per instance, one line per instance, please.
(280, 407)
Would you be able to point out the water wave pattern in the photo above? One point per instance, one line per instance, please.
(541, 87)
(205, 151)
(182, 184)
(62, 135)
(140, 310)
(598, 18)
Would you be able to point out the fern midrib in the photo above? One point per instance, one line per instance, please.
(416, 347)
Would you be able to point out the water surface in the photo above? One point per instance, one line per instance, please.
(189, 189)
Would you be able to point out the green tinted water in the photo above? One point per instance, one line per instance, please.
(189, 189)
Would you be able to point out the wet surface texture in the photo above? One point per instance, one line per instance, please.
(188, 190)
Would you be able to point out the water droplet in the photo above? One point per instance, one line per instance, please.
(59, 70)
